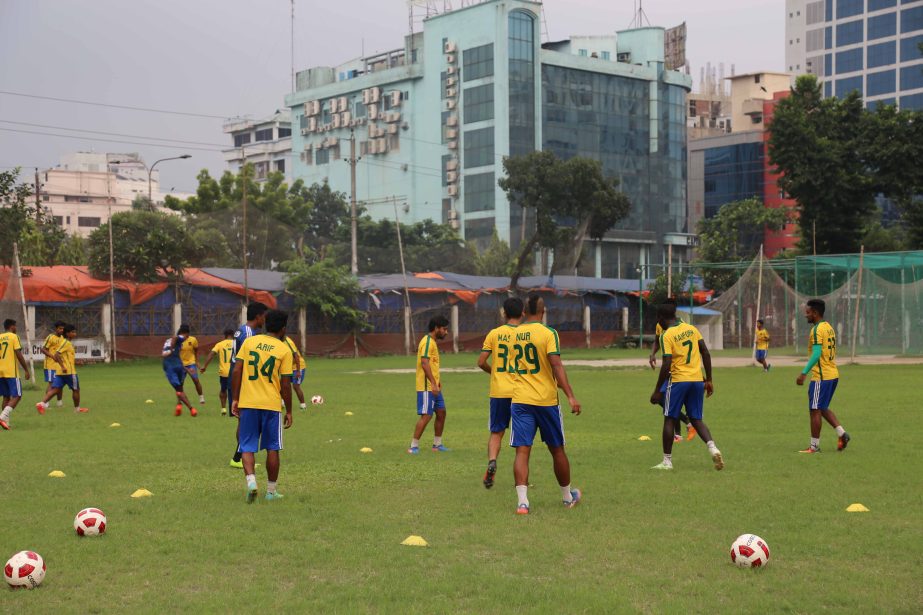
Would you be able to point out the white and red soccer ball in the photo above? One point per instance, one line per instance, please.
(26, 570)
(90, 522)
(317, 400)
(750, 551)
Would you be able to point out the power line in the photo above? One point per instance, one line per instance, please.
(113, 134)
(82, 138)
(128, 107)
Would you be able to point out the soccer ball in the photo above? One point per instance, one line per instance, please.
(749, 551)
(317, 400)
(25, 569)
(90, 522)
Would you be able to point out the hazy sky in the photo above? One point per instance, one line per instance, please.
(232, 57)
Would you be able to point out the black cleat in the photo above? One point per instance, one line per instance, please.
(842, 441)
(251, 496)
(489, 474)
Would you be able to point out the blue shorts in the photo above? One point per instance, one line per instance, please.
(499, 414)
(260, 430)
(49, 375)
(10, 387)
(820, 393)
(193, 370)
(526, 419)
(175, 376)
(59, 382)
(297, 376)
(224, 384)
(761, 355)
(688, 394)
(428, 402)
(663, 392)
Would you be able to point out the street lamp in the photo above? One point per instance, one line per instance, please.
(150, 172)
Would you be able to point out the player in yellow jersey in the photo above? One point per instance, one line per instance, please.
(652, 360)
(261, 384)
(762, 345)
(684, 357)
(67, 375)
(189, 355)
(496, 348)
(824, 376)
(223, 351)
(429, 386)
(298, 370)
(10, 386)
(539, 372)
(51, 366)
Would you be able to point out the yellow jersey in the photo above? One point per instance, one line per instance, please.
(297, 358)
(762, 339)
(224, 350)
(9, 344)
(51, 342)
(534, 382)
(427, 349)
(681, 343)
(189, 350)
(266, 360)
(68, 366)
(824, 334)
(499, 343)
(658, 330)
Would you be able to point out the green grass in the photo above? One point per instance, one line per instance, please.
(642, 541)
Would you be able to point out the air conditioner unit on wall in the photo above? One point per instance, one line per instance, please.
(332, 106)
(451, 92)
(373, 112)
(392, 129)
(344, 104)
(453, 144)
(450, 58)
(450, 104)
(449, 47)
(451, 164)
(312, 124)
(451, 177)
(452, 120)
(366, 97)
(451, 133)
(346, 118)
(453, 190)
(375, 94)
(336, 120)
(450, 81)
(451, 70)
(396, 98)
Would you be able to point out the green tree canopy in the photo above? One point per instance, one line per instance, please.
(326, 287)
(41, 241)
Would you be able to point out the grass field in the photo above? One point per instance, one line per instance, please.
(642, 541)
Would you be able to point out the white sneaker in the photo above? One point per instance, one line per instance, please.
(662, 466)
(718, 459)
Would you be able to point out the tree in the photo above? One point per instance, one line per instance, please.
(817, 145)
(39, 238)
(734, 234)
(497, 259)
(558, 191)
(329, 213)
(145, 244)
(329, 288)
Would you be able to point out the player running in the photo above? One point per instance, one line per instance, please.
(824, 376)
(53, 340)
(175, 371)
(762, 345)
(261, 384)
(67, 374)
(10, 386)
(222, 350)
(652, 360)
(497, 347)
(429, 386)
(536, 362)
(256, 315)
(298, 371)
(684, 356)
(189, 355)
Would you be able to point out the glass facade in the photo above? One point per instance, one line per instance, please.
(848, 8)
(479, 103)
(882, 26)
(850, 84)
(608, 118)
(912, 77)
(910, 48)
(480, 191)
(849, 33)
(732, 173)
(884, 82)
(849, 61)
(912, 19)
(479, 148)
(478, 62)
(479, 229)
(877, 5)
(521, 97)
(882, 54)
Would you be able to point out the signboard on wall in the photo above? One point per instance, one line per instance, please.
(88, 349)
(674, 47)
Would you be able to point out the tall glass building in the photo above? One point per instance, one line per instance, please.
(432, 121)
(869, 46)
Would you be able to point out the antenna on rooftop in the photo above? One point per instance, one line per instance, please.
(639, 17)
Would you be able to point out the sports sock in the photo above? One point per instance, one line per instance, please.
(522, 493)
(5, 415)
(711, 446)
(414, 443)
(815, 442)
(437, 440)
(566, 494)
(304, 406)
(271, 486)
(201, 399)
(237, 456)
(492, 462)
(667, 459)
(251, 481)
(839, 430)
(60, 404)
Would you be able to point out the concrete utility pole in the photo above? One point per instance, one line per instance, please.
(243, 178)
(38, 198)
(352, 160)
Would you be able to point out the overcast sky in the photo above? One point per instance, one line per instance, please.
(232, 57)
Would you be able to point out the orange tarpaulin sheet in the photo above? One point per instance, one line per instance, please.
(197, 277)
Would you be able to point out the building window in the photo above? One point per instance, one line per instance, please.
(480, 230)
(285, 132)
(606, 55)
(882, 54)
(877, 84)
(443, 84)
(756, 78)
(280, 165)
(912, 102)
(849, 33)
(882, 26)
(480, 192)
(445, 169)
(828, 10)
(88, 221)
(59, 220)
(307, 156)
(910, 48)
(46, 197)
(828, 64)
(263, 135)
(828, 37)
(323, 156)
(261, 169)
(814, 40)
(828, 89)
(241, 139)
(583, 53)
(877, 5)
(479, 148)
(848, 8)
(360, 110)
(846, 86)
(521, 104)
(479, 103)
(478, 62)
(912, 77)
(912, 20)
(732, 173)
(849, 61)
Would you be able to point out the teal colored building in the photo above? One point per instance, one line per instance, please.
(433, 120)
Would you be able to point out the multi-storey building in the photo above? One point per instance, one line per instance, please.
(264, 143)
(431, 122)
(870, 46)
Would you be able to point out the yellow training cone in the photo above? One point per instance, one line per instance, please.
(115, 425)
(365, 449)
(856, 508)
(415, 541)
(56, 474)
(645, 438)
(148, 401)
(142, 493)
(348, 413)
